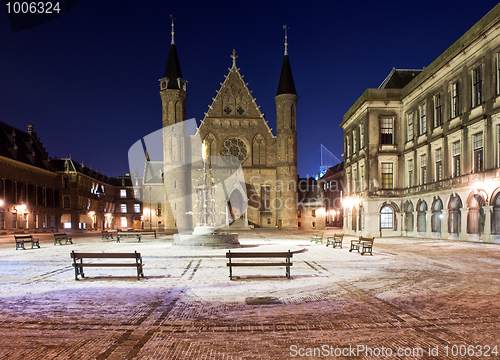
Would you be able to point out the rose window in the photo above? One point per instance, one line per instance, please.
(236, 148)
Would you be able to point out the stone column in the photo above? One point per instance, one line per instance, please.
(403, 223)
(428, 228)
(464, 212)
(415, 223)
(487, 223)
(444, 224)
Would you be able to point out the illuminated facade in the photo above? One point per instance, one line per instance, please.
(422, 152)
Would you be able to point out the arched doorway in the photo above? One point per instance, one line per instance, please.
(422, 216)
(476, 216)
(437, 207)
(409, 221)
(236, 204)
(454, 215)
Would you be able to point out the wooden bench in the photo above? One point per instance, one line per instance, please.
(318, 238)
(335, 240)
(364, 244)
(120, 234)
(259, 255)
(106, 234)
(58, 237)
(21, 239)
(147, 232)
(78, 263)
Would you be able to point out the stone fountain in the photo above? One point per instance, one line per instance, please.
(206, 232)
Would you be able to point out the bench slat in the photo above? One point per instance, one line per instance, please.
(105, 265)
(259, 264)
(105, 255)
(258, 255)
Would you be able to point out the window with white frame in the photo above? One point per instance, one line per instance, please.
(123, 193)
(123, 222)
(410, 173)
(477, 145)
(387, 176)
(347, 146)
(137, 208)
(361, 136)
(477, 86)
(423, 119)
(455, 99)
(410, 127)
(439, 164)
(386, 131)
(423, 169)
(124, 208)
(455, 152)
(386, 218)
(438, 113)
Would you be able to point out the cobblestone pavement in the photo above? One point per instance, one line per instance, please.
(422, 298)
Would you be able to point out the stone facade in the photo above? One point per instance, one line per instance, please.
(422, 156)
(40, 194)
(332, 184)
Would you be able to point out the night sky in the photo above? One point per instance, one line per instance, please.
(88, 80)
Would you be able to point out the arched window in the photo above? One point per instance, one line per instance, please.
(437, 206)
(386, 218)
(476, 215)
(422, 217)
(454, 216)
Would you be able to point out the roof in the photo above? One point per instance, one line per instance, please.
(69, 165)
(286, 84)
(334, 170)
(23, 146)
(399, 78)
(387, 93)
(173, 68)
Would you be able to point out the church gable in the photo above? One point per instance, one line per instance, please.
(234, 104)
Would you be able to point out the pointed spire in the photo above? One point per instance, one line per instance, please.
(286, 84)
(234, 56)
(286, 38)
(173, 69)
(172, 32)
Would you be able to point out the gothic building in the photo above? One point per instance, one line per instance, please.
(234, 126)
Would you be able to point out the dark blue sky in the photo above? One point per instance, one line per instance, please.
(88, 80)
